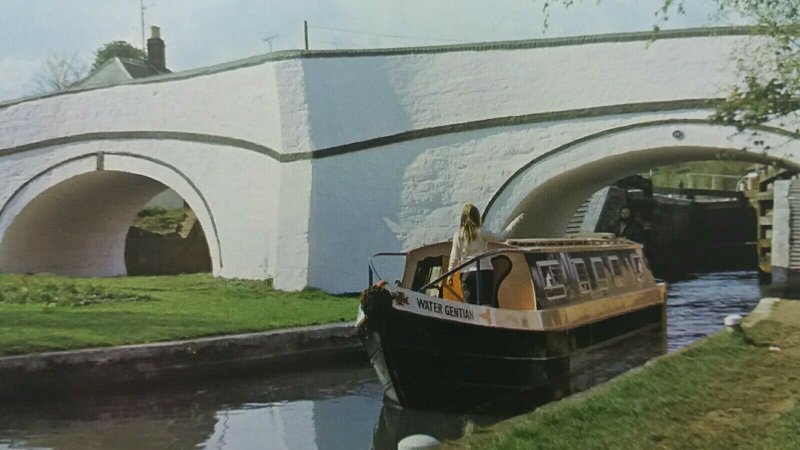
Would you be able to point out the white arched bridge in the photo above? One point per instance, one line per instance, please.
(299, 165)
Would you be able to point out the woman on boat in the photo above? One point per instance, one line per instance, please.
(471, 240)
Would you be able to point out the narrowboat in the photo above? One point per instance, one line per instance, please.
(556, 299)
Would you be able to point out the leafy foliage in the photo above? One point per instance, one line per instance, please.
(164, 221)
(120, 49)
(701, 174)
(769, 86)
(757, 102)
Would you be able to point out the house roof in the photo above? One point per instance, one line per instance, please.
(118, 70)
(140, 69)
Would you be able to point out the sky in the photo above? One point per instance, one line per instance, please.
(201, 33)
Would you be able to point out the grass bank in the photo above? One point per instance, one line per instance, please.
(43, 313)
(723, 392)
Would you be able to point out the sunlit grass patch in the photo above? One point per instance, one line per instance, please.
(45, 312)
(54, 291)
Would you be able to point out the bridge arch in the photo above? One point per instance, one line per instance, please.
(560, 179)
(72, 218)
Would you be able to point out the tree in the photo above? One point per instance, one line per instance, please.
(120, 49)
(770, 69)
(769, 86)
(59, 72)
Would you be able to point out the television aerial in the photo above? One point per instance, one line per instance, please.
(269, 39)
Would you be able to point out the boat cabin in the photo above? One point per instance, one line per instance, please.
(539, 274)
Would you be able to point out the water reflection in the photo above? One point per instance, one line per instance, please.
(296, 425)
(328, 408)
(395, 423)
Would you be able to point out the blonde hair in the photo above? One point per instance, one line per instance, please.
(470, 222)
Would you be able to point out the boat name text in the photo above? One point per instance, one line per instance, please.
(447, 310)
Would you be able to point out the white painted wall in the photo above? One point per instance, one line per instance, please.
(314, 221)
(410, 194)
(238, 211)
(59, 231)
(240, 104)
(241, 187)
(353, 99)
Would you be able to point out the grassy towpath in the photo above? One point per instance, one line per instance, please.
(43, 313)
(723, 392)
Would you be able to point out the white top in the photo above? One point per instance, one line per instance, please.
(463, 250)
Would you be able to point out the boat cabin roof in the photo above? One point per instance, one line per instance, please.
(542, 245)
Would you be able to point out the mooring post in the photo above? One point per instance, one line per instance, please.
(733, 322)
(418, 442)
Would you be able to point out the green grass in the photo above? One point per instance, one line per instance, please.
(687, 173)
(721, 393)
(163, 221)
(42, 313)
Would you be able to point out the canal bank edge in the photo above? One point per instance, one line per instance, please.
(94, 369)
(782, 311)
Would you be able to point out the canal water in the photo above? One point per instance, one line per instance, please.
(328, 408)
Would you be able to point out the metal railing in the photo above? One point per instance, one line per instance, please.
(374, 272)
(570, 242)
(474, 260)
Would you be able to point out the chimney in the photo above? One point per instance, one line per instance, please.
(155, 50)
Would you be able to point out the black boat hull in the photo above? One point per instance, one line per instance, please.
(432, 363)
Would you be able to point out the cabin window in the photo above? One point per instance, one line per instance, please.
(584, 284)
(428, 269)
(600, 273)
(636, 265)
(435, 272)
(616, 270)
(552, 279)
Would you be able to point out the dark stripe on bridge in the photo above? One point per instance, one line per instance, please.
(507, 121)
